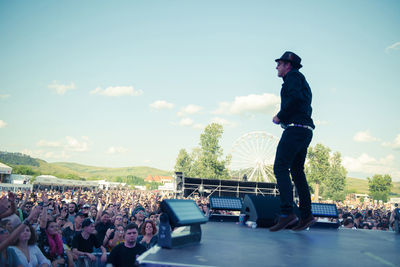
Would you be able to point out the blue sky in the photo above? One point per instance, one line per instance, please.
(129, 83)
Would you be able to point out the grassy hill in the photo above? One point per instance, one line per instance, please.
(103, 172)
(360, 186)
(74, 170)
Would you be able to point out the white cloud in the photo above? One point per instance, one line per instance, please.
(56, 155)
(74, 144)
(370, 165)
(265, 103)
(186, 122)
(189, 110)
(44, 143)
(161, 104)
(61, 88)
(117, 150)
(3, 124)
(117, 91)
(364, 136)
(222, 121)
(395, 46)
(68, 143)
(395, 144)
(56, 150)
(47, 155)
(4, 96)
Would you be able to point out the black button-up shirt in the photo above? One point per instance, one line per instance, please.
(296, 99)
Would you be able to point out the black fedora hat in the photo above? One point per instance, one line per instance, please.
(292, 58)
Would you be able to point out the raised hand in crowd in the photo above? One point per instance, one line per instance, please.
(7, 205)
(3, 205)
(64, 213)
(14, 235)
(107, 236)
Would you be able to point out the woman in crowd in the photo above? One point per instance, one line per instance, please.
(148, 237)
(114, 237)
(125, 221)
(8, 257)
(140, 215)
(93, 212)
(71, 229)
(50, 240)
(28, 253)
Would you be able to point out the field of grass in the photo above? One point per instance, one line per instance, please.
(360, 186)
(103, 172)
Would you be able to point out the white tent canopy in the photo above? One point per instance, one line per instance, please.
(55, 181)
(4, 169)
(52, 180)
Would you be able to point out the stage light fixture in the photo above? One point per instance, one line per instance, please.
(178, 213)
(226, 203)
(324, 210)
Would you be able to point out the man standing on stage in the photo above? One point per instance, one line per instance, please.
(295, 117)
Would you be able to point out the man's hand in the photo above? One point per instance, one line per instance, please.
(11, 196)
(3, 205)
(45, 198)
(34, 214)
(276, 120)
(108, 234)
(91, 256)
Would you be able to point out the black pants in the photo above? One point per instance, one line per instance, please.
(290, 157)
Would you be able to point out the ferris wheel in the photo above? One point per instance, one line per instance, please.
(253, 156)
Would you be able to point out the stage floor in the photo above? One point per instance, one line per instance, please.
(228, 244)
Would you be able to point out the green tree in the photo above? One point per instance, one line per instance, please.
(317, 167)
(205, 161)
(335, 182)
(210, 163)
(134, 180)
(118, 179)
(24, 170)
(379, 186)
(183, 162)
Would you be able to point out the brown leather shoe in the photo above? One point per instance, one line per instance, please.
(284, 222)
(304, 224)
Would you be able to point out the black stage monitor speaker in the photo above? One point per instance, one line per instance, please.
(177, 213)
(264, 210)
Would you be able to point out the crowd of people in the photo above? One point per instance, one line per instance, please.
(367, 217)
(53, 228)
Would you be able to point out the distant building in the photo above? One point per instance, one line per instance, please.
(13, 182)
(5, 173)
(159, 179)
(167, 187)
(353, 197)
(20, 179)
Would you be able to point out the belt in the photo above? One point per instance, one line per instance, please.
(299, 125)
